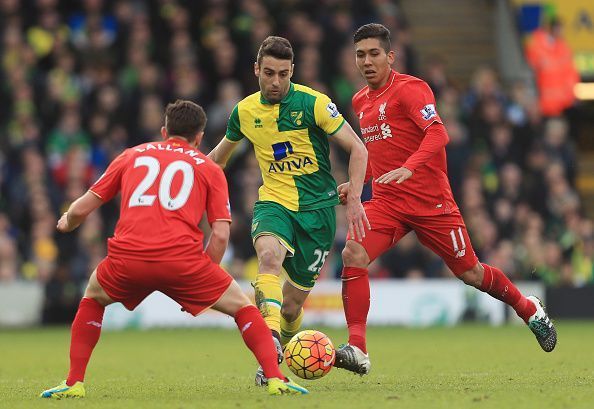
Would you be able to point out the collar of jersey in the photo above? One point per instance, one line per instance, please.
(179, 142)
(374, 93)
(284, 100)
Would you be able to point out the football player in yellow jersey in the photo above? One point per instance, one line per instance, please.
(294, 219)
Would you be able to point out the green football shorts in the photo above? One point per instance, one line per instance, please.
(307, 235)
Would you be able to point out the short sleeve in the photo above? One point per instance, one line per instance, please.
(217, 200)
(109, 184)
(234, 126)
(327, 116)
(419, 102)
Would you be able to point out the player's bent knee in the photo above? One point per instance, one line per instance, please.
(290, 311)
(473, 277)
(232, 300)
(269, 261)
(96, 292)
(354, 255)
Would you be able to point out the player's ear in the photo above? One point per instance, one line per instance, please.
(198, 139)
(164, 132)
(256, 69)
(391, 57)
(292, 70)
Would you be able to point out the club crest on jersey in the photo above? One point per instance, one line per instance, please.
(257, 123)
(428, 112)
(297, 117)
(382, 112)
(331, 108)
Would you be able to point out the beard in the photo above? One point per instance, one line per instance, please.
(274, 98)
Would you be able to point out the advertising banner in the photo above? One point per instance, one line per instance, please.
(393, 302)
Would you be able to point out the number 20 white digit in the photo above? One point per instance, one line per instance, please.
(139, 198)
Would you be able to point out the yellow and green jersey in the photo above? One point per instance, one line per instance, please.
(291, 144)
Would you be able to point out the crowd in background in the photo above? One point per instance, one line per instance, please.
(82, 80)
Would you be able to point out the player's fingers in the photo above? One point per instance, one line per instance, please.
(384, 177)
(366, 220)
(361, 227)
(356, 228)
(351, 230)
(390, 178)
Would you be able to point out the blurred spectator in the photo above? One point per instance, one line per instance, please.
(551, 59)
(85, 80)
(8, 251)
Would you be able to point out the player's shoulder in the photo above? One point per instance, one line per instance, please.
(246, 108)
(405, 80)
(250, 100)
(360, 95)
(308, 91)
(210, 166)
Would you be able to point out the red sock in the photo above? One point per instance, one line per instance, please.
(258, 339)
(497, 285)
(85, 332)
(355, 299)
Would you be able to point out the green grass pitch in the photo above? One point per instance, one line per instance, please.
(470, 366)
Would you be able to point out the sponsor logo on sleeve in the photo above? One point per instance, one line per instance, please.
(428, 112)
(331, 108)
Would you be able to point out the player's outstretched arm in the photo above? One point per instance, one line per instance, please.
(78, 212)
(434, 140)
(221, 153)
(357, 219)
(219, 238)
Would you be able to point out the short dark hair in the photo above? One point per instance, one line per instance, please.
(184, 118)
(374, 30)
(277, 47)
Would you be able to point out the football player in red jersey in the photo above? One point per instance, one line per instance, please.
(157, 246)
(406, 139)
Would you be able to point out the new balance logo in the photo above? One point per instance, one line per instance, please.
(246, 327)
(94, 323)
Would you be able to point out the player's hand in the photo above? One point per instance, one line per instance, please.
(343, 192)
(399, 175)
(63, 225)
(356, 218)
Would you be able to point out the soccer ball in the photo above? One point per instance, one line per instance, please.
(310, 354)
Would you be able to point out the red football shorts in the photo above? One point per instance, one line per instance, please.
(444, 234)
(194, 285)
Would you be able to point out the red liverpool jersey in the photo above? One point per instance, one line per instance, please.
(393, 122)
(166, 187)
